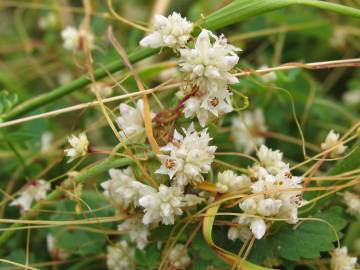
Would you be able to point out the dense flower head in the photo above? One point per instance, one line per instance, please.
(79, 146)
(332, 140)
(137, 231)
(228, 181)
(172, 31)
(131, 121)
(165, 204)
(32, 191)
(341, 260)
(208, 64)
(55, 252)
(187, 157)
(352, 97)
(239, 231)
(123, 189)
(271, 160)
(75, 38)
(207, 68)
(352, 200)
(246, 130)
(275, 192)
(207, 106)
(103, 89)
(120, 256)
(47, 21)
(179, 257)
(162, 206)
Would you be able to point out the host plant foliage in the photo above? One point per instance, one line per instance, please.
(192, 175)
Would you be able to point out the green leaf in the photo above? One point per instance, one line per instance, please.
(305, 242)
(149, 257)
(74, 239)
(16, 256)
(203, 256)
(7, 101)
(349, 163)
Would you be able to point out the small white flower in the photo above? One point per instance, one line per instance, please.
(192, 108)
(173, 31)
(271, 160)
(162, 206)
(268, 77)
(74, 38)
(33, 191)
(120, 256)
(247, 128)
(104, 89)
(137, 231)
(179, 257)
(228, 181)
(352, 97)
(188, 157)
(123, 189)
(48, 21)
(190, 200)
(55, 252)
(341, 260)
(169, 74)
(207, 66)
(205, 107)
(258, 227)
(46, 141)
(352, 201)
(240, 231)
(331, 140)
(79, 146)
(268, 207)
(131, 121)
(338, 38)
(64, 77)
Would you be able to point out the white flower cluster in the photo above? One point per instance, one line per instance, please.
(137, 231)
(131, 121)
(164, 205)
(206, 67)
(55, 252)
(103, 89)
(352, 98)
(161, 205)
(340, 260)
(352, 200)
(246, 130)
(33, 191)
(120, 256)
(123, 189)
(179, 257)
(187, 157)
(47, 21)
(173, 31)
(79, 146)
(228, 181)
(74, 39)
(272, 195)
(332, 140)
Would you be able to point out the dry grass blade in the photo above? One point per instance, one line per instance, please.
(147, 114)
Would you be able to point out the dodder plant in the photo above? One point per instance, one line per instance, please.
(196, 178)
